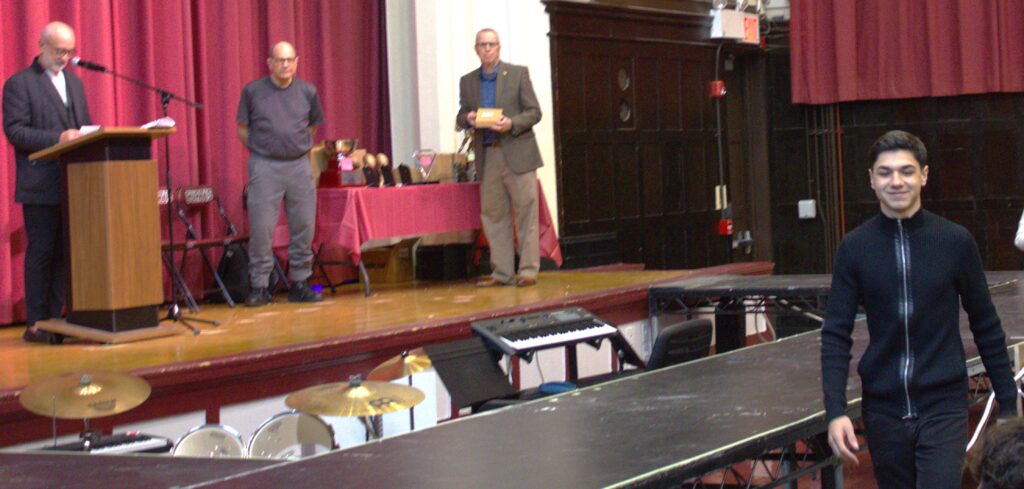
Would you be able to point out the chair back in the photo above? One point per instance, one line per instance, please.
(199, 195)
(681, 342)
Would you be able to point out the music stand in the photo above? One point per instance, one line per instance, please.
(469, 372)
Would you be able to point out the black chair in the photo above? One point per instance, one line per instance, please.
(682, 342)
(189, 203)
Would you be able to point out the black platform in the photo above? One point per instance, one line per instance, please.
(654, 429)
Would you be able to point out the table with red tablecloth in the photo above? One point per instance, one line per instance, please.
(349, 217)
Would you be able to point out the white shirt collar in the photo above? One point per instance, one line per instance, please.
(60, 84)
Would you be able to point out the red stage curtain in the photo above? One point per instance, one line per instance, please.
(844, 50)
(204, 50)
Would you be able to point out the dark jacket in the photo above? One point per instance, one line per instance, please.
(911, 276)
(34, 117)
(514, 95)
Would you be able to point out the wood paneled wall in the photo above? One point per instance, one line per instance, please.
(635, 131)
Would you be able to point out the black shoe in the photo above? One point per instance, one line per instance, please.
(34, 335)
(300, 292)
(258, 296)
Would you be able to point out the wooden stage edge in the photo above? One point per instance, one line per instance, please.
(270, 351)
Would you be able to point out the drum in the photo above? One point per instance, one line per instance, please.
(291, 435)
(210, 441)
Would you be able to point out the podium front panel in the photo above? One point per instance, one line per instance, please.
(113, 217)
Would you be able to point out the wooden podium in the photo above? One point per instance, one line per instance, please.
(112, 220)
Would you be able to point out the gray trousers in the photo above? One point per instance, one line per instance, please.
(503, 191)
(271, 180)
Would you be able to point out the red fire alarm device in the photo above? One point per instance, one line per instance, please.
(725, 227)
(717, 88)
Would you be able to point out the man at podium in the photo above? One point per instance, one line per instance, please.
(43, 105)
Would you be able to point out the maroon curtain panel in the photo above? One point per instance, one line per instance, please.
(843, 50)
(204, 50)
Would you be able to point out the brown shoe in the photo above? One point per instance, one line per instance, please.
(526, 282)
(490, 282)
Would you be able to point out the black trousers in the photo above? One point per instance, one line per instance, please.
(45, 270)
(925, 452)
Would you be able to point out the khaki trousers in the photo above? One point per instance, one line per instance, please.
(502, 194)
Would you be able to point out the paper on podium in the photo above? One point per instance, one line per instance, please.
(486, 118)
(88, 129)
(161, 123)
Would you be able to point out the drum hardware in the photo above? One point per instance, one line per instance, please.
(81, 395)
(406, 364)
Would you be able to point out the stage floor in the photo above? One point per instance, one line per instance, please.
(262, 352)
(282, 324)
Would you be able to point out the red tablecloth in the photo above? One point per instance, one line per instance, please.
(348, 217)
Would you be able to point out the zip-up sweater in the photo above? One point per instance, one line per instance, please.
(911, 275)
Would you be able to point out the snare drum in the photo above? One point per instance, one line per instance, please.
(210, 441)
(291, 435)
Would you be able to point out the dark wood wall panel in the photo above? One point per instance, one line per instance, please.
(627, 197)
(670, 99)
(635, 132)
(645, 81)
(601, 183)
(575, 212)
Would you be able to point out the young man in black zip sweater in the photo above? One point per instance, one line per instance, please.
(910, 270)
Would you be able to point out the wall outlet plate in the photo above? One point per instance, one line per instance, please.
(807, 209)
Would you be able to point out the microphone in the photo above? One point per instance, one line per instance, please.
(76, 61)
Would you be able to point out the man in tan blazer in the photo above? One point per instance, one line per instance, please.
(507, 158)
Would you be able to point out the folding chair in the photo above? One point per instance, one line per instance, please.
(189, 202)
(178, 281)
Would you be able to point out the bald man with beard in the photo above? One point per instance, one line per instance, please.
(43, 105)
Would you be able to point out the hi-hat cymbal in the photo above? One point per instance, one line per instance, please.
(404, 365)
(354, 398)
(80, 395)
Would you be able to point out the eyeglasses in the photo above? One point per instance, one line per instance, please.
(487, 45)
(60, 53)
(281, 61)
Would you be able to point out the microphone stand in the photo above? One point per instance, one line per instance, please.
(173, 309)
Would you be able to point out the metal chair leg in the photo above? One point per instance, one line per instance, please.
(216, 277)
(179, 280)
(318, 264)
(366, 279)
(282, 278)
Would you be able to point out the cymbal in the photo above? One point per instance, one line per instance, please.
(81, 395)
(354, 398)
(404, 365)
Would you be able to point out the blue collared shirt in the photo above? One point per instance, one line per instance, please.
(488, 87)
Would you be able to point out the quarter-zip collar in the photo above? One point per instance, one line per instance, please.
(910, 224)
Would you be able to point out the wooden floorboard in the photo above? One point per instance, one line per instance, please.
(282, 324)
(276, 349)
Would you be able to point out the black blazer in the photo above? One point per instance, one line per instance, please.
(34, 117)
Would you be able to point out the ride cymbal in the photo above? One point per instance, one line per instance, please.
(354, 398)
(404, 365)
(81, 395)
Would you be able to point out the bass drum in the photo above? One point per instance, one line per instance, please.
(210, 441)
(291, 435)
